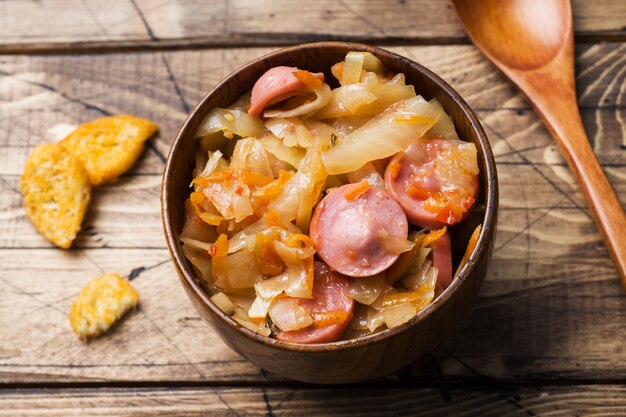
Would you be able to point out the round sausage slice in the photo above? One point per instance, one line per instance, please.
(275, 85)
(442, 260)
(434, 180)
(347, 227)
(330, 308)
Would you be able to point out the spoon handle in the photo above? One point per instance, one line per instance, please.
(568, 129)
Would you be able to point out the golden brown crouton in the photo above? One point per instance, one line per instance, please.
(103, 301)
(109, 146)
(56, 193)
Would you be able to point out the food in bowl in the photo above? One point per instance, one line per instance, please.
(320, 214)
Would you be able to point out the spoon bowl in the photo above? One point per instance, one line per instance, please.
(541, 24)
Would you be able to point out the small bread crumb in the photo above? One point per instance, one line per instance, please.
(102, 302)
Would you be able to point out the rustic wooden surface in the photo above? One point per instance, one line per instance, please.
(98, 24)
(545, 337)
(467, 401)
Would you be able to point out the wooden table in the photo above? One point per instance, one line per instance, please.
(545, 337)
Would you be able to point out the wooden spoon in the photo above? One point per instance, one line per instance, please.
(532, 42)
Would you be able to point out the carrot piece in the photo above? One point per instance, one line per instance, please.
(211, 219)
(471, 245)
(273, 219)
(246, 176)
(419, 298)
(435, 204)
(267, 259)
(308, 79)
(356, 191)
(299, 241)
(309, 267)
(266, 193)
(337, 70)
(467, 202)
(432, 236)
(328, 318)
(418, 192)
(395, 166)
(218, 253)
(413, 118)
(447, 215)
(195, 199)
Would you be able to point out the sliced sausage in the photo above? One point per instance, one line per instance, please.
(276, 83)
(346, 231)
(330, 308)
(442, 260)
(434, 180)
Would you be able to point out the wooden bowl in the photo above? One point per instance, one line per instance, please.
(370, 356)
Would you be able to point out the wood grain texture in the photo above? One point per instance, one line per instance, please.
(133, 200)
(539, 59)
(40, 92)
(550, 309)
(465, 401)
(532, 320)
(98, 24)
(163, 340)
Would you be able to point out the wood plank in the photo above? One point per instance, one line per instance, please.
(124, 215)
(98, 24)
(163, 340)
(603, 400)
(37, 93)
(551, 308)
(127, 214)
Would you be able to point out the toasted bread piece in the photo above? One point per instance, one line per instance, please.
(56, 193)
(109, 146)
(104, 300)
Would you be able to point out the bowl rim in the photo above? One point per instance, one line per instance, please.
(187, 275)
